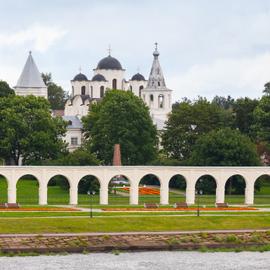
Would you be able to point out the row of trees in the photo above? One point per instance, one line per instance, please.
(221, 132)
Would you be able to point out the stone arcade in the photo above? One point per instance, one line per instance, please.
(134, 174)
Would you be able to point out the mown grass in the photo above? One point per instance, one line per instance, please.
(117, 214)
(128, 224)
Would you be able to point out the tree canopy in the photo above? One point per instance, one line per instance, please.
(224, 147)
(28, 130)
(188, 121)
(121, 117)
(5, 89)
(56, 95)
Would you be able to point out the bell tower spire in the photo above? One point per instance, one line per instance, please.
(156, 79)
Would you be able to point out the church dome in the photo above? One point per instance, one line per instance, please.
(138, 77)
(99, 78)
(80, 77)
(109, 62)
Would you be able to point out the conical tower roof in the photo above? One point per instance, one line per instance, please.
(156, 79)
(30, 77)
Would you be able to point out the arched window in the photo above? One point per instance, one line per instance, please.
(101, 91)
(83, 90)
(140, 90)
(73, 91)
(158, 83)
(151, 98)
(91, 91)
(114, 84)
(160, 101)
(130, 88)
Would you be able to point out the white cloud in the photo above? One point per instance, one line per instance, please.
(227, 76)
(41, 37)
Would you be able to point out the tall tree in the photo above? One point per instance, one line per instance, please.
(223, 102)
(56, 95)
(28, 131)
(5, 89)
(187, 122)
(243, 109)
(224, 147)
(121, 117)
(262, 120)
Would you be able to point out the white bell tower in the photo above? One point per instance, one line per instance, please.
(156, 95)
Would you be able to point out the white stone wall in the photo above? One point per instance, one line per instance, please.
(111, 74)
(136, 86)
(134, 174)
(38, 92)
(77, 87)
(96, 88)
(156, 111)
(76, 107)
(73, 133)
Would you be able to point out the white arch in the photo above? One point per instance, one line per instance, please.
(134, 173)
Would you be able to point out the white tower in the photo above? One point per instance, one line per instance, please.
(156, 95)
(30, 81)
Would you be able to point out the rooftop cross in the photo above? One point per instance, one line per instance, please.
(80, 69)
(156, 45)
(109, 49)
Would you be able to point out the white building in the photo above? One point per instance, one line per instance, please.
(109, 74)
(30, 81)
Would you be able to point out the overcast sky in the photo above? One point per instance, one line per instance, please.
(207, 47)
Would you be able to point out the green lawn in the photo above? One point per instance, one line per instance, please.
(27, 193)
(127, 224)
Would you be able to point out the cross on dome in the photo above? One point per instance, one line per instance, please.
(109, 49)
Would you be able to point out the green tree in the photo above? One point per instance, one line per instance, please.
(28, 130)
(121, 117)
(5, 90)
(56, 95)
(223, 102)
(224, 147)
(266, 90)
(262, 120)
(243, 109)
(187, 122)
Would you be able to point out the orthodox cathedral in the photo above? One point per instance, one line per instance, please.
(109, 74)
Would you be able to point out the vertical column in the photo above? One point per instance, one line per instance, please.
(103, 193)
(73, 194)
(190, 193)
(12, 192)
(220, 192)
(42, 193)
(249, 192)
(134, 193)
(164, 192)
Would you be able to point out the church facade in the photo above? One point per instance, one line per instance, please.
(109, 74)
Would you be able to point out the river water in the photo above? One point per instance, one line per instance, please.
(142, 261)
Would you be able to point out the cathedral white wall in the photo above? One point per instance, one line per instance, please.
(39, 92)
(73, 133)
(76, 107)
(77, 87)
(96, 88)
(111, 74)
(136, 86)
